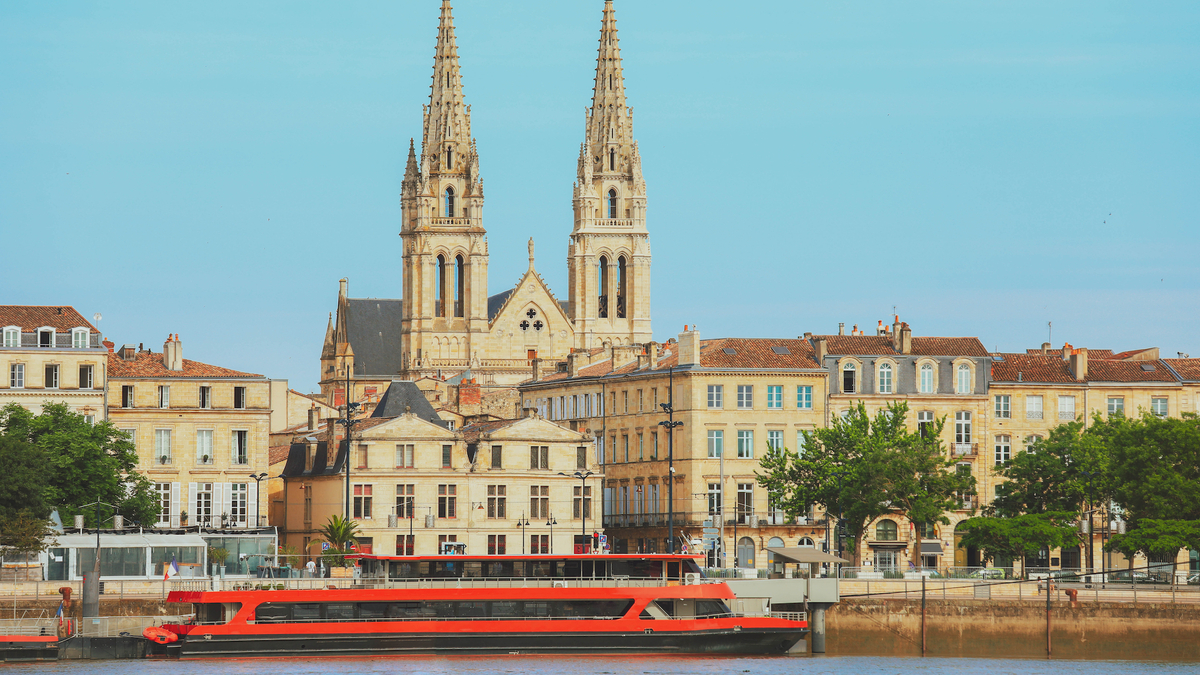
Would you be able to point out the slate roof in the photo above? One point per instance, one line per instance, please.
(322, 466)
(881, 345)
(1187, 369)
(32, 317)
(404, 396)
(374, 332)
(496, 303)
(150, 365)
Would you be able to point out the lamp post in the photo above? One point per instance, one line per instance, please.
(670, 424)
(258, 479)
(551, 522)
(582, 476)
(522, 523)
(348, 421)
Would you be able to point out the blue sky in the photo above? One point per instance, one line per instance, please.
(212, 169)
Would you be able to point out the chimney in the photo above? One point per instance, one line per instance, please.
(314, 414)
(573, 364)
(537, 369)
(1066, 351)
(820, 350)
(689, 348)
(855, 332)
(807, 335)
(343, 288)
(623, 355)
(173, 353)
(1045, 348)
(1079, 364)
(880, 330)
(109, 344)
(841, 328)
(128, 352)
(905, 339)
(652, 351)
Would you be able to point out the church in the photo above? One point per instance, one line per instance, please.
(446, 323)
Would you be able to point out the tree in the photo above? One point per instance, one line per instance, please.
(863, 469)
(22, 479)
(1020, 536)
(1158, 540)
(25, 534)
(82, 462)
(1154, 465)
(339, 532)
(1057, 476)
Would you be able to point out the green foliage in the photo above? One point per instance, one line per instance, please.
(865, 468)
(1019, 536)
(339, 532)
(22, 479)
(217, 556)
(1157, 539)
(81, 463)
(1154, 465)
(25, 533)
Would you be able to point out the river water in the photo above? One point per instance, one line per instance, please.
(610, 665)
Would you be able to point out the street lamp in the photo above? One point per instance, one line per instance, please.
(551, 522)
(258, 479)
(582, 498)
(522, 522)
(670, 424)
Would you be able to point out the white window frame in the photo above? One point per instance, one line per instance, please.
(1003, 449)
(162, 447)
(774, 397)
(716, 443)
(963, 380)
(162, 495)
(53, 337)
(239, 513)
(16, 376)
(848, 367)
(1034, 407)
(716, 396)
(927, 385)
(715, 500)
(745, 444)
(76, 334)
(1003, 406)
(233, 446)
(745, 397)
(203, 512)
(962, 432)
(164, 396)
(12, 337)
(803, 397)
(1115, 405)
(1159, 402)
(1066, 408)
(204, 446)
(775, 439)
(885, 381)
(54, 382)
(90, 383)
(800, 442)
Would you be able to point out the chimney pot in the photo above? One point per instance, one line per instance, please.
(841, 328)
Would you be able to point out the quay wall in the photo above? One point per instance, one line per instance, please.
(1014, 629)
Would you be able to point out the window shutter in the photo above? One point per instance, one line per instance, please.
(252, 512)
(228, 502)
(193, 495)
(218, 505)
(175, 504)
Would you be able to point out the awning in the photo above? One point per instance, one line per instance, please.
(131, 540)
(931, 547)
(897, 545)
(804, 554)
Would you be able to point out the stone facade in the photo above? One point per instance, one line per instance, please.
(51, 354)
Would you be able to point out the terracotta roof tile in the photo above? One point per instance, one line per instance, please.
(1188, 369)
(871, 345)
(278, 453)
(1092, 353)
(1128, 371)
(1031, 368)
(471, 433)
(32, 317)
(757, 353)
(150, 365)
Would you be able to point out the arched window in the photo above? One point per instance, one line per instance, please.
(886, 530)
(602, 287)
(459, 285)
(885, 378)
(622, 288)
(450, 201)
(612, 161)
(848, 374)
(612, 203)
(745, 553)
(439, 293)
(964, 379)
(806, 542)
(927, 378)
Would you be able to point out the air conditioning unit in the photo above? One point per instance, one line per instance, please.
(429, 520)
(691, 579)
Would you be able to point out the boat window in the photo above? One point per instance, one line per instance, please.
(466, 610)
(472, 569)
(306, 611)
(408, 610)
(667, 606)
(471, 609)
(673, 570)
(638, 569)
(711, 608)
(372, 610)
(653, 611)
(339, 611)
(216, 612)
(503, 610)
(273, 613)
(442, 610)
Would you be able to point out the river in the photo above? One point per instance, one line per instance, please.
(607, 665)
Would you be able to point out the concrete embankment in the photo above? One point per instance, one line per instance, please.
(1005, 628)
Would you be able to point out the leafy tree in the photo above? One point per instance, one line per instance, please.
(1061, 472)
(339, 532)
(1158, 540)
(82, 462)
(22, 479)
(864, 468)
(25, 534)
(1020, 536)
(1154, 465)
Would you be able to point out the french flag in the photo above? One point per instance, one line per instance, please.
(172, 569)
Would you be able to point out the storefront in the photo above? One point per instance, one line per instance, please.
(124, 556)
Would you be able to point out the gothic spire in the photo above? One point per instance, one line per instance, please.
(448, 118)
(608, 118)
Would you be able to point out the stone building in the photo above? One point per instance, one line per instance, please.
(735, 397)
(51, 354)
(447, 321)
(201, 433)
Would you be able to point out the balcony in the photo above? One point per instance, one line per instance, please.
(1067, 415)
(1033, 414)
(609, 223)
(965, 449)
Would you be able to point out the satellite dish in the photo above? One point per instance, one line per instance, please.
(96, 316)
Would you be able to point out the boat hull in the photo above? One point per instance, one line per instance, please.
(747, 641)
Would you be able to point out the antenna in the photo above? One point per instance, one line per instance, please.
(1050, 332)
(96, 317)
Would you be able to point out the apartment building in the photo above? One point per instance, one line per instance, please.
(51, 354)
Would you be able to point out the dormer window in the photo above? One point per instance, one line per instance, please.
(46, 338)
(79, 338)
(12, 336)
(848, 373)
(885, 378)
(964, 379)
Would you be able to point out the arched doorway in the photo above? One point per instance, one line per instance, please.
(964, 556)
(774, 563)
(745, 553)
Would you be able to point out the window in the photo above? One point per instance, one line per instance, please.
(446, 449)
(848, 378)
(640, 400)
(497, 456)
(804, 398)
(363, 456)
(539, 455)
(162, 498)
(362, 501)
(204, 503)
(204, 446)
(12, 337)
(625, 443)
(539, 501)
(79, 338)
(582, 501)
(1158, 406)
(581, 455)
(886, 561)
(1003, 450)
(962, 431)
(539, 543)
(714, 499)
(1116, 405)
(927, 530)
(716, 394)
(625, 398)
(1033, 407)
(239, 398)
(86, 378)
(205, 398)
(239, 451)
(239, 502)
(164, 396)
(1003, 407)
(800, 442)
(1066, 408)
(775, 439)
(46, 338)
(925, 424)
(406, 502)
(927, 385)
(641, 449)
(612, 203)
(966, 500)
(964, 379)
(307, 506)
(90, 419)
(653, 446)
(446, 539)
(446, 501)
(127, 396)
(745, 396)
(162, 445)
(1031, 443)
(885, 378)
(887, 530)
(716, 442)
(774, 397)
(497, 502)
(449, 201)
(497, 544)
(404, 455)
(745, 503)
(404, 544)
(51, 381)
(745, 443)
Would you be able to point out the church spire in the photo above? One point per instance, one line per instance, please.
(447, 118)
(608, 118)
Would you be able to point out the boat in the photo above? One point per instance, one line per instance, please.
(457, 604)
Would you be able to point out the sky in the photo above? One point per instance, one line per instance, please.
(984, 169)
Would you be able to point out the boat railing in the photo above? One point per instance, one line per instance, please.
(433, 583)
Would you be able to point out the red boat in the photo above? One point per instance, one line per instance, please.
(612, 604)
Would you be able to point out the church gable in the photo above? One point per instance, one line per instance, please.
(531, 320)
